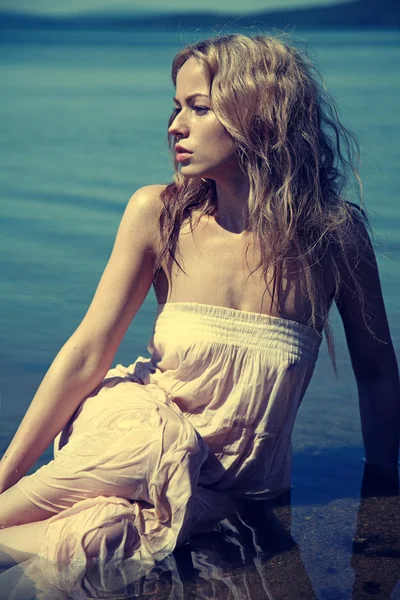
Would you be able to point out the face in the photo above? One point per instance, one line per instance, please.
(197, 129)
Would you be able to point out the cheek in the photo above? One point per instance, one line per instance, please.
(222, 143)
(227, 142)
(227, 149)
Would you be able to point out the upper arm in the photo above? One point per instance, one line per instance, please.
(125, 281)
(372, 354)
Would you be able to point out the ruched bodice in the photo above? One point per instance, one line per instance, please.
(238, 377)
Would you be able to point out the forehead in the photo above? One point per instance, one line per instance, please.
(191, 77)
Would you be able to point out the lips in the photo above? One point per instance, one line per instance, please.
(181, 150)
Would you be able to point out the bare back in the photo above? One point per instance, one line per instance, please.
(217, 272)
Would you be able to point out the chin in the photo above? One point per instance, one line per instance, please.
(191, 171)
(193, 174)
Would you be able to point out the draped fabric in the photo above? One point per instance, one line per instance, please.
(161, 445)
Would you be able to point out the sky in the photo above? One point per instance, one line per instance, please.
(61, 7)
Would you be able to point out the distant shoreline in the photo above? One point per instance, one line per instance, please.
(376, 14)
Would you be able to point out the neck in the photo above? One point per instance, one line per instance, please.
(232, 197)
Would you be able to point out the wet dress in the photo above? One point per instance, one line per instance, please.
(151, 451)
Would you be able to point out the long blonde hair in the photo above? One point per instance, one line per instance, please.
(297, 156)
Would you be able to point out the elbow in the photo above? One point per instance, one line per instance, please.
(377, 369)
(83, 360)
(378, 381)
(380, 391)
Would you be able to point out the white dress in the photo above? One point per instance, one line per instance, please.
(161, 443)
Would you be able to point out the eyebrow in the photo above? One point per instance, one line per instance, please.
(191, 96)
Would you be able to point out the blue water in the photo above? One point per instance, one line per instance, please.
(83, 126)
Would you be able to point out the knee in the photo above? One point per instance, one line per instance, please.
(114, 540)
(95, 528)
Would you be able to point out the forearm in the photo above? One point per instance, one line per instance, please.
(380, 420)
(71, 377)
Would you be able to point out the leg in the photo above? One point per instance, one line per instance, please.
(138, 448)
(21, 542)
(16, 509)
(106, 527)
(20, 575)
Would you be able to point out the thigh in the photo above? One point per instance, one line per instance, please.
(21, 542)
(106, 462)
(131, 455)
(17, 509)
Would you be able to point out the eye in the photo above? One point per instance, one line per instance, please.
(202, 110)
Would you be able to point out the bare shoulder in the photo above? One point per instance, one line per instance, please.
(148, 198)
(143, 211)
(126, 279)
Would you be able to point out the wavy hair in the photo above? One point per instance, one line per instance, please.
(297, 157)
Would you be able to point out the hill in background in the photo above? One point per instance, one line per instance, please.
(359, 13)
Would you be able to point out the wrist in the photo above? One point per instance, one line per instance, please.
(382, 452)
(380, 480)
(8, 476)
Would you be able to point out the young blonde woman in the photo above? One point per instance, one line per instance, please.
(247, 250)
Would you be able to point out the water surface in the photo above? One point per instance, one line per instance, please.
(83, 126)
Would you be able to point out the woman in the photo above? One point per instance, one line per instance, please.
(145, 454)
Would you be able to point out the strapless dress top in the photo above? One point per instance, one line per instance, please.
(238, 377)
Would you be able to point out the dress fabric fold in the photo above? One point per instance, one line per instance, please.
(157, 448)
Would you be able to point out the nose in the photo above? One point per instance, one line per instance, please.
(178, 125)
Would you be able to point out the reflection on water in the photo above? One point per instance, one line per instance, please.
(250, 555)
(76, 117)
(376, 544)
